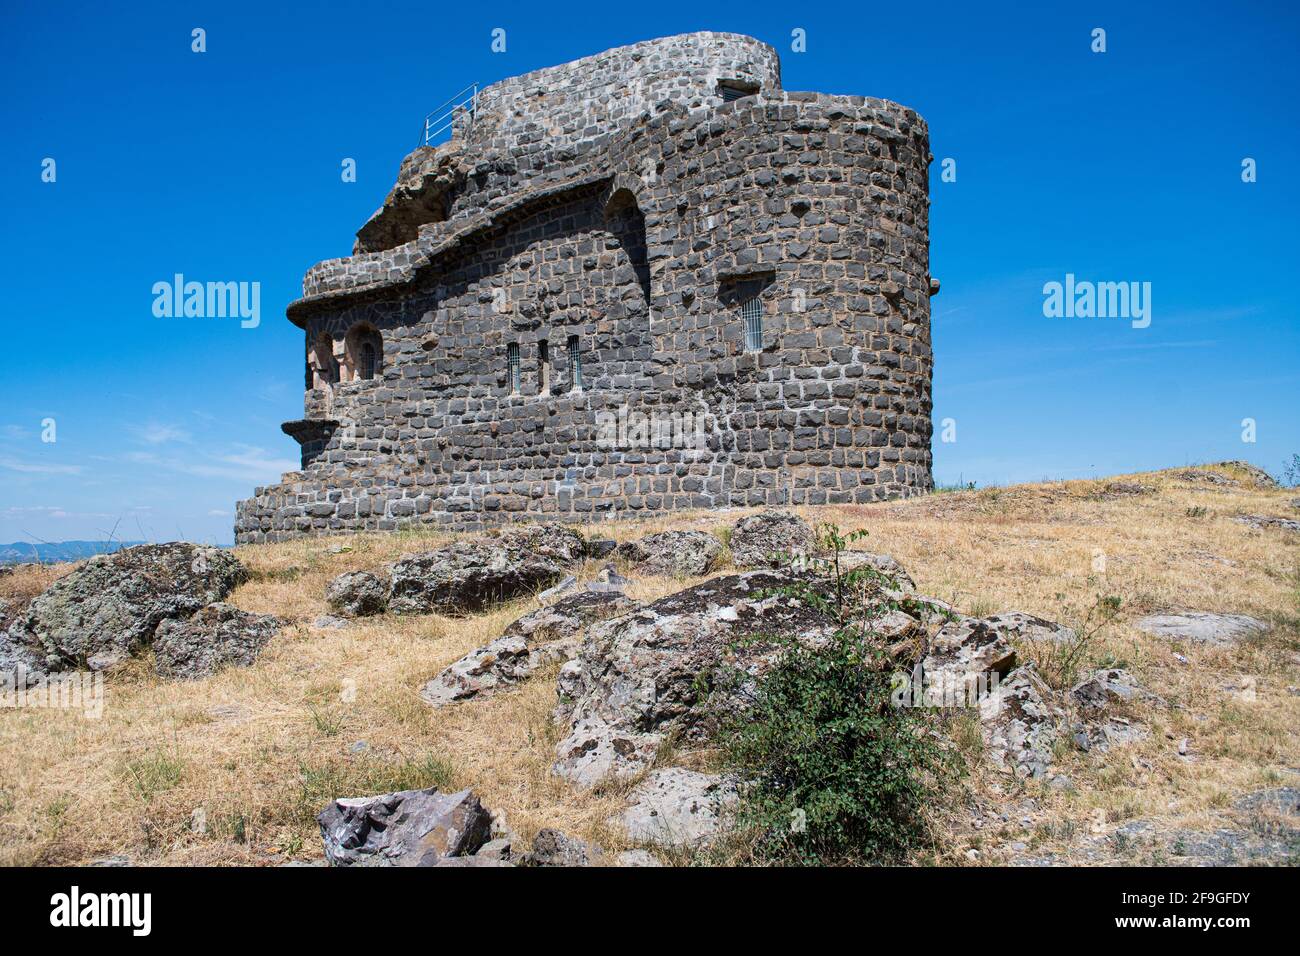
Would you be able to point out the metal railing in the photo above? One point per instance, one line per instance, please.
(444, 117)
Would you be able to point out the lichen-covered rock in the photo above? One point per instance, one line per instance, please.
(218, 636)
(1202, 627)
(674, 807)
(407, 828)
(769, 539)
(358, 594)
(469, 575)
(679, 553)
(672, 665)
(1028, 627)
(1020, 725)
(884, 563)
(1260, 522)
(964, 649)
(553, 848)
(1107, 688)
(108, 608)
(549, 634)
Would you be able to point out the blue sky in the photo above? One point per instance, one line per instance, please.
(225, 165)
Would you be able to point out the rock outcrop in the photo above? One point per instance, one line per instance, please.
(678, 553)
(769, 539)
(358, 594)
(407, 828)
(550, 634)
(468, 575)
(218, 636)
(674, 807)
(553, 848)
(1202, 627)
(110, 607)
(1020, 724)
(671, 666)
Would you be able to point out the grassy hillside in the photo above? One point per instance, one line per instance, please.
(326, 713)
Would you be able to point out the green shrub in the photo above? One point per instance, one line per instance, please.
(831, 771)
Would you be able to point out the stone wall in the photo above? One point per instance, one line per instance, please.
(643, 246)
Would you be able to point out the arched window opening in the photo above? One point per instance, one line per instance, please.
(627, 223)
(363, 353)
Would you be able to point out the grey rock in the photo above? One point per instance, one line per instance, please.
(637, 858)
(110, 607)
(218, 636)
(358, 594)
(328, 622)
(661, 668)
(407, 828)
(884, 563)
(1105, 688)
(1268, 521)
(770, 539)
(1019, 723)
(674, 807)
(1202, 627)
(1280, 800)
(1018, 625)
(544, 636)
(569, 584)
(553, 848)
(677, 553)
(467, 576)
(964, 649)
(601, 548)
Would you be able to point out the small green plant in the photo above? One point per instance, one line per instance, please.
(155, 772)
(331, 725)
(1199, 511)
(831, 771)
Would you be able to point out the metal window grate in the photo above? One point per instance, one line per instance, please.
(369, 361)
(575, 364)
(732, 93)
(512, 359)
(751, 310)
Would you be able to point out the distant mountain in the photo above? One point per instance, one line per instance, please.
(20, 552)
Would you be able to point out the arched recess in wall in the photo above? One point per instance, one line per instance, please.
(363, 353)
(626, 221)
(322, 367)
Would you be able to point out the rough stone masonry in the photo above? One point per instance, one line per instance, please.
(653, 232)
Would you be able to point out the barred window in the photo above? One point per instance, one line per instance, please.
(732, 90)
(512, 360)
(368, 361)
(575, 364)
(751, 310)
(543, 367)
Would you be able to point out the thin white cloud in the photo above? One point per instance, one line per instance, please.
(27, 467)
(160, 433)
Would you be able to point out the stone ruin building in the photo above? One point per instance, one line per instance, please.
(644, 280)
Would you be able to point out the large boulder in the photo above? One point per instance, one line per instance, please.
(358, 594)
(407, 828)
(1028, 627)
(674, 807)
(550, 634)
(218, 636)
(110, 607)
(467, 576)
(678, 553)
(1202, 627)
(769, 539)
(672, 666)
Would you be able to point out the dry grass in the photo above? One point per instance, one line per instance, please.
(261, 750)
